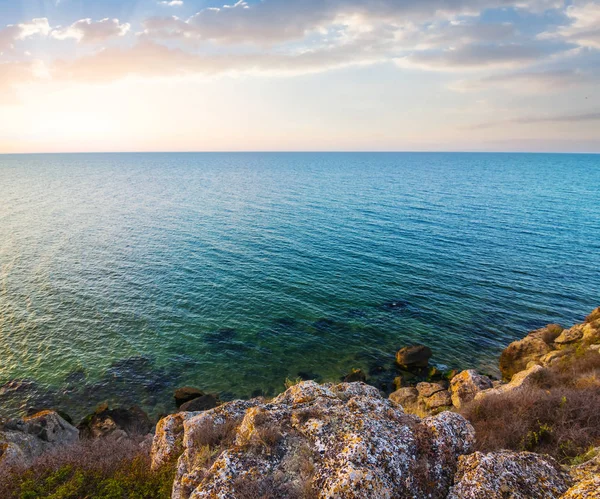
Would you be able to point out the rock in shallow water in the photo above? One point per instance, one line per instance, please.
(336, 440)
(413, 357)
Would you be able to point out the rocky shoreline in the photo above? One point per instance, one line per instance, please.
(414, 432)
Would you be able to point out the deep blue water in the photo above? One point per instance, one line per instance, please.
(125, 275)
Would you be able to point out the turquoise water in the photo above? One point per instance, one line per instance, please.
(125, 275)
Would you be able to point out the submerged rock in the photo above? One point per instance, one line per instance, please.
(202, 403)
(415, 356)
(185, 394)
(332, 440)
(500, 475)
(355, 375)
(118, 422)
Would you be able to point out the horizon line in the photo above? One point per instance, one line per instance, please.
(40, 153)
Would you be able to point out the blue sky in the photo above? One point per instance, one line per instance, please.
(300, 75)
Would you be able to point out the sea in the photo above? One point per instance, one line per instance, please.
(125, 276)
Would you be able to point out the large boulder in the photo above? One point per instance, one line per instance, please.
(202, 403)
(22, 440)
(519, 354)
(466, 385)
(500, 475)
(416, 356)
(328, 440)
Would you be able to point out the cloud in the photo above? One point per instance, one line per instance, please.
(172, 3)
(530, 82)
(15, 32)
(476, 56)
(584, 29)
(533, 120)
(88, 31)
(271, 22)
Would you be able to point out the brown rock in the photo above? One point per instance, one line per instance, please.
(570, 335)
(413, 357)
(428, 389)
(438, 400)
(466, 385)
(355, 376)
(405, 396)
(518, 354)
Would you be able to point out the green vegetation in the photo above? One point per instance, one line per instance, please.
(98, 470)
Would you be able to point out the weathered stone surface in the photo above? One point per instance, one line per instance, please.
(504, 474)
(466, 385)
(518, 354)
(520, 380)
(22, 440)
(551, 357)
(570, 335)
(405, 396)
(548, 333)
(438, 400)
(585, 489)
(336, 440)
(428, 389)
(413, 356)
(185, 394)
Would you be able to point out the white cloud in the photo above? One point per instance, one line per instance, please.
(15, 32)
(172, 3)
(584, 29)
(88, 31)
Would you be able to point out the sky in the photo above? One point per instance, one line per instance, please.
(316, 75)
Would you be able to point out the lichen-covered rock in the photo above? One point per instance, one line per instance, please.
(585, 489)
(504, 474)
(466, 385)
(342, 441)
(22, 440)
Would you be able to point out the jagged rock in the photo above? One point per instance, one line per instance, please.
(22, 440)
(504, 474)
(520, 380)
(185, 394)
(438, 400)
(405, 396)
(428, 389)
(466, 385)
(516, 356)
(119, 422)
(570, 335)
(202, 403)
(413, 356)
(336, 440)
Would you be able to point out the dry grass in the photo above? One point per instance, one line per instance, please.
(559, 415)
(103, 468)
